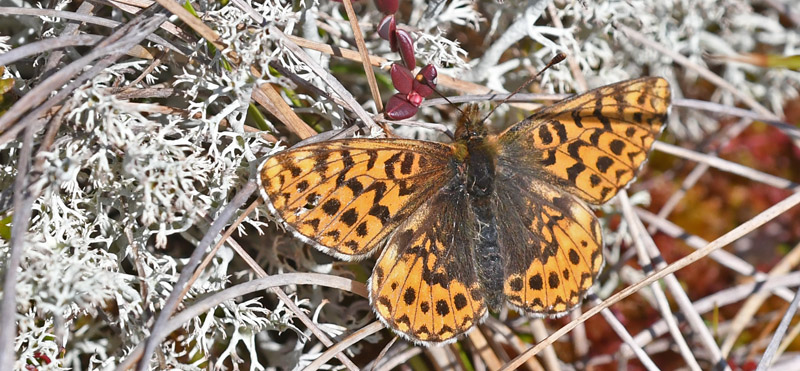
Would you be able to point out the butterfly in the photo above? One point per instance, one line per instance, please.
(483, 222)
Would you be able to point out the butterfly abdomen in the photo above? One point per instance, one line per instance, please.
(488, 261)
(480, 187)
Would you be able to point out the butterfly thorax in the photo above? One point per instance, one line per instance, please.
(477, 154)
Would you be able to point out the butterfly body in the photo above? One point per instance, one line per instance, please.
(479, 177)
(486, 221)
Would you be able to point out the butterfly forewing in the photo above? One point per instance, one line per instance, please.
(346, 196)
(425, 285)
(593, 144)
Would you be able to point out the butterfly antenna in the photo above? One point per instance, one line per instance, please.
(556, 60)
(425, 81)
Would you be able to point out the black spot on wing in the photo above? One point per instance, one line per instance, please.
(354, 186)
(598, 114)
(314, 223)
(442, 308)
(321, 162)
(575, 170)
(407, 163)
(373, 156)
(561, 131)
(544, 135)
(574, 148)
(460, 301)
(617, 146)
(388, 166)
(424, 307)
(576, 117)
(380, 191)
(381, 212)
(550, 158)
(573, 255)
(594, 139)
(331, 207)
(603, 163)
(410, 296)
(294, 170)
(362, 229)
(536, 282)
(405, 189)
(553, 280)
(516, 284)
(349, 217)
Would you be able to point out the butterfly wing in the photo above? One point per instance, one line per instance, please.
(593, 144)
(345, 196)
(584, 148)
(425, 286)
(550, 243)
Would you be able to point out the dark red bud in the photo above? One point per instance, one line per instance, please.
(398, 108)
(428, 74)
(388, 6)
(387, 28)
(405, 45)
(422, 89)
(402, 79)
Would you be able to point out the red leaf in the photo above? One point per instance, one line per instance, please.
(402, 79)
(386, 28)
(388, 6)
(398, 108)
(425, 81)
(405, 45)
(428, 74)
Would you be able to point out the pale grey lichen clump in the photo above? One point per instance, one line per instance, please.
(125, 181)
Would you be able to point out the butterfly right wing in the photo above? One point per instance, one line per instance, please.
(550, 242)
(345, 196)
(595, 143)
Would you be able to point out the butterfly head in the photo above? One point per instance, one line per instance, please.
(470, 125)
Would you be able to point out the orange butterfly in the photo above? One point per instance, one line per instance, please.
(486, 221)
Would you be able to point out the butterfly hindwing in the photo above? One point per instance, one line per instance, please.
(346, 196)
(593, 144)
(550, 241)
(424, 285)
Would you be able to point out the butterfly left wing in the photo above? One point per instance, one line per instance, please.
(345, 196)
(593, 144)
(425, 286)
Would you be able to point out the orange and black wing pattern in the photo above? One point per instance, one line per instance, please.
(425, 286)
(551, 245)
(593, 144)
(345, 196)
(583, 148)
